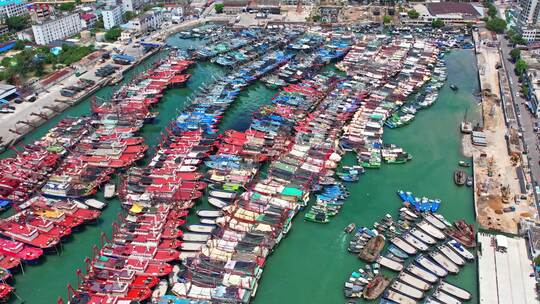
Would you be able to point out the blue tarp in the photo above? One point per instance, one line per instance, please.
(123, 57)
(7, 46)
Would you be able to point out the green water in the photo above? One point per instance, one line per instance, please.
(312, 263)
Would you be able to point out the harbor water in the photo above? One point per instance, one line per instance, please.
(312, 263)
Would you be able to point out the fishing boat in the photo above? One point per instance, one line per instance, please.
(435, 221)
(444, 262)
(195, 237)
(373, 248)
(422, 273)
(430, 300)
(397, 252)
(464, 233)
(216, 202)
(397, 297)
(431, 230)
(389, 263)
(419, 234)
(455, 291)
(376, 287)
(404, 246)
(350, 228)
(160, 290)
(209, 213)
(460, 177)
(451, 254)
(463, 163)
(445, 298)
(94, 203)
(469, 181)
(460, 249)
(414, 281)
(416, 243)
(454, 87)
(20, 250)
(5, 291)
(110, 191)
(191, 246)
(430, 265)
(406, 289)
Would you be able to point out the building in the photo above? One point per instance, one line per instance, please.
(39, 12)
(528, 19)
(532, 79)
(233, 7)
(57, 29)
(112, 16)
(88, 20)
(449, 12)
(148, 21)
(10, 8)
(132, 5)
(266, 6)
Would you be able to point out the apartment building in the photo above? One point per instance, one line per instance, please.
(57, 28)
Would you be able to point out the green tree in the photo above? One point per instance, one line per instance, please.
(387, 19)
(515, 54)
(129, 15)
(492, 10)
(99, 23)
(17, 23)
(437, 23)
(219, 8)
(537, 260)
(496, 25)
(521, 67)
(6, 62)
(113, 34)
(19, 45)
(67, 6)
(413, 14)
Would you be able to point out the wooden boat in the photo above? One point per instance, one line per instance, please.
(389, 263)
(460, 177)
(376, 287)
(422, 273)
(372, 249)
(414, 281)
(464, 233)
(454, 291)
(407, 290)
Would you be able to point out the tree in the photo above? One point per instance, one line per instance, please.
(413, 14)
(521, 67)
(492, 10)
(387, 19)
(515, 54)
(17, 23)
(129, 15)
(19, 45)
(113, 34)
(437, 23)
(515, 37)
(99, 23)
(219, 8)
(496, 25)
(67, 6)
(537, 260)
(6, 62)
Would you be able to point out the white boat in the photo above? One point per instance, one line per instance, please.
(209, 213)
(445, 298)
(416, 243)
(462, 251)
(430, 300)
(222, 194)
(435, 221)
(208, 221)
(451, 254)
(94, 203)
(195, 237)
(444, 262)
(200, 228)
(404, 246)
(421, 235)
(173, 276)
(390, 264)
(79, 204)
(398, 297)
(442, 219)
(191, 246)
(216, 202)
(414, 281)
(455, 291)
(184, 255)
(160, 290)
(110, 191)
(431, 230)
(431, 266)
(407, 290)
(422, 273)
(408, 213)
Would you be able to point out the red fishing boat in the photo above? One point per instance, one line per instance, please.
(19, 250)
(27, 234)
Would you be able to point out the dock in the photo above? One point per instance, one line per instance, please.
(504, 270)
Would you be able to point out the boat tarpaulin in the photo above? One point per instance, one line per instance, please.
(290, 191)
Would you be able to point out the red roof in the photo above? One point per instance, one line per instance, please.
(87, 16)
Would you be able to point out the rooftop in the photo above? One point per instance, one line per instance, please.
(441, 8)
(235, 3)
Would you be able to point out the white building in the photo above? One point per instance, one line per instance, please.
(57, 29)
(132, 5)
(12, 8)
(528, 19)
(112, 16)
(151, 20)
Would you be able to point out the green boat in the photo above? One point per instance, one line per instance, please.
(316, 217)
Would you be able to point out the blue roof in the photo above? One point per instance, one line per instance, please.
(8, 2)
(124, 57)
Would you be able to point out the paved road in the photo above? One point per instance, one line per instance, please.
(525, 117)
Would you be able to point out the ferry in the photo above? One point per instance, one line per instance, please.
(455, 291)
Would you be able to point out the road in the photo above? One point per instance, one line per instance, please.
(525, 117)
